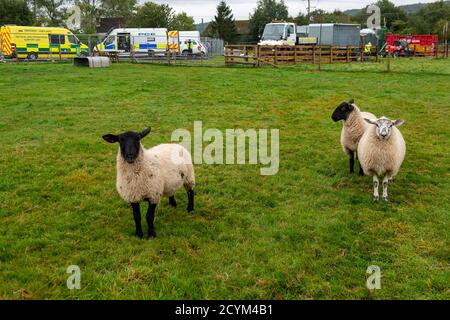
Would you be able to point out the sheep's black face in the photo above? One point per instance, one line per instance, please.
(342, 112)
(129, 143)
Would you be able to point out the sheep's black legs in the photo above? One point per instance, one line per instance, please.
(351, 157)
(190, 206)
(361, 171)
(137, 219)
(172, 201)
(150, 218)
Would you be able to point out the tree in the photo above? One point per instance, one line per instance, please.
(15, 12)
(266, 11)
(118, 8)
(90, 12)
(52, 12)
(182, 21)
(223, 26)
(301, 19)
(431, 18)
(152, 15)
(337, 16)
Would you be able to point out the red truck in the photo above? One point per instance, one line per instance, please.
(404, 46)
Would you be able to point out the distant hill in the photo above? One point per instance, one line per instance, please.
(409, 8)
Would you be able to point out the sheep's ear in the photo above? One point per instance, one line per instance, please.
(348, 107)
(398, 122)
(111, 138)
(145, 132)
(351, 101)
(370, 121)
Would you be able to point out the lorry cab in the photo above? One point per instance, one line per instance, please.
(279, 33)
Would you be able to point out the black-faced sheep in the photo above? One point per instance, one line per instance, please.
(148, 175)
(353, 128)
(381, 152)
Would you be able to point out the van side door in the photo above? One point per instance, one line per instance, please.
(55, 42)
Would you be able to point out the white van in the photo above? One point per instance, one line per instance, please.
(194, 37)
(143, 40)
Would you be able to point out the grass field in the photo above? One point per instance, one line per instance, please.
(309, 232)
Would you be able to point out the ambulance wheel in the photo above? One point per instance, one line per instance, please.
(32, 56)
(185, 52)
(84, 54)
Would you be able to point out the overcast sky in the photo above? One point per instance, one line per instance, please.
(206, 9)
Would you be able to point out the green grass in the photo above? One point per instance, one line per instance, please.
(309, 232)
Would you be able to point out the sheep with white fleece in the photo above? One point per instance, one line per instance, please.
(353, 128)
(148, 175)
(381, 152)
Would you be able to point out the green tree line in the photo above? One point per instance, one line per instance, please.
(55, 13)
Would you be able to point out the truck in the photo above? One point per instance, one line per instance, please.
(336, 34)
(285, 33)
(288, 33)
(32, 43)
(408, 45)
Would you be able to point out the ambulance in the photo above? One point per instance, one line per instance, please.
(40, 43)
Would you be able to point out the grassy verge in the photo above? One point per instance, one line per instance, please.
(310, 231)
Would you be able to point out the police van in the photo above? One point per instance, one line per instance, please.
(142, 40)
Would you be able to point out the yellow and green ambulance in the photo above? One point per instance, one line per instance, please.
(40, 43)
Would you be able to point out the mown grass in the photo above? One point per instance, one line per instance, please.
(309, 232)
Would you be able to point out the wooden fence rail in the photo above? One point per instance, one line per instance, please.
(257, 55)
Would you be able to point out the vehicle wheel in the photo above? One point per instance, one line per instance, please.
(396, 54)
(185, 52)
(84, 54)
(32, 56)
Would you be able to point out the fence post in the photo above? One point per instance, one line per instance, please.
(275, 57)
(59, 48)
(331, 54)
(320, 57)
(348, 54)
(295, 54)
(389, 61)
(90, 46)
(314, 54)
(245, 54)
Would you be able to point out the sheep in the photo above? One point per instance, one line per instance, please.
(381, 151)
(353, 128)
(148, 175)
